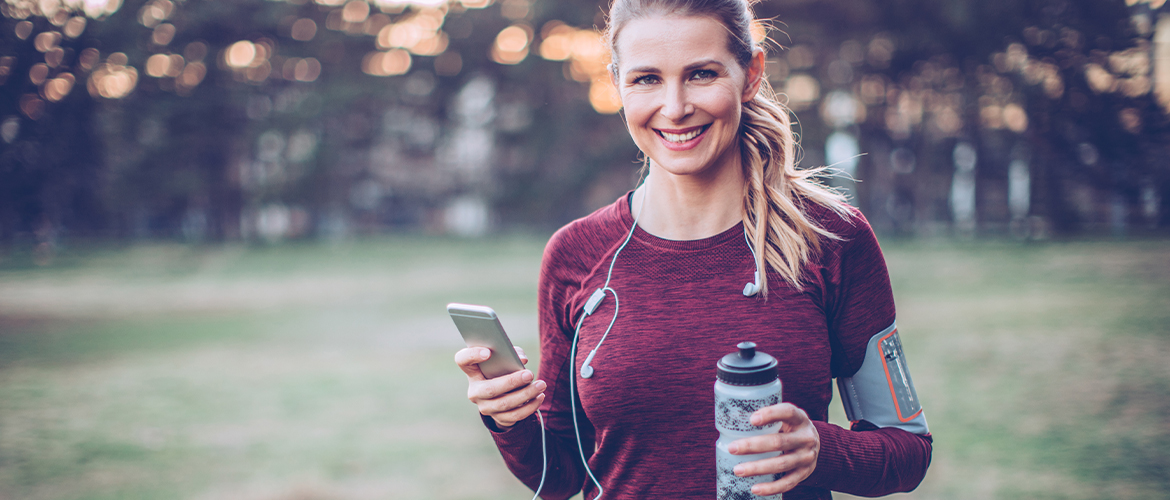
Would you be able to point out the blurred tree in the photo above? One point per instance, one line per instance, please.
(206, 120)
(1014, 77)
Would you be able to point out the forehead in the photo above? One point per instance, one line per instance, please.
(670, 40)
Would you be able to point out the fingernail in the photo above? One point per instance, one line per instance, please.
(738, 470)
(733, 448)
(540, 385)
(485, 353)
(526, 376)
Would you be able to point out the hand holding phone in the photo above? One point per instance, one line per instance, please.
(498, 384)
(480, 327)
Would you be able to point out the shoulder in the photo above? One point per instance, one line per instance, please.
(580, 244)
(849, 226)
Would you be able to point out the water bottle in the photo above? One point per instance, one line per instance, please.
(747, 381)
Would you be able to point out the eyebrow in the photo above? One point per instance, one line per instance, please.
(692, 66)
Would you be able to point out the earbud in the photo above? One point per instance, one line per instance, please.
(752, 288)
(586, 369)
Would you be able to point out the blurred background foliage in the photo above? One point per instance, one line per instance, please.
(232, 370)
(272, 120)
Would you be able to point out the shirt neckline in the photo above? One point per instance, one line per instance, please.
(729, 234)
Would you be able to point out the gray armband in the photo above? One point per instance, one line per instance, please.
(882, 392)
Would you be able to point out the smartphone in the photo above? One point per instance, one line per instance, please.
(480, 327)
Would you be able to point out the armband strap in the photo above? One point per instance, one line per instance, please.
(882, 392)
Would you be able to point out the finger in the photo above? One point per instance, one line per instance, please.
(469, 359)
(783, 412)
(499, 386)
(520, 352)
(775, 465)
(512, 401)
(784, 484)
(780, 441)
(510, 418)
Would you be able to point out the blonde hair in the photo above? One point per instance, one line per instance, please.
(775, 214)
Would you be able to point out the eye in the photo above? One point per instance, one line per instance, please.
(645, 80)
(704, 74)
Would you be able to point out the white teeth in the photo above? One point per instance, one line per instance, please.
(681, 137)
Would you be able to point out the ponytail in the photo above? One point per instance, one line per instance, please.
(775, 192)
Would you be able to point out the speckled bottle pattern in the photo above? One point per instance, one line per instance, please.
(747, 381)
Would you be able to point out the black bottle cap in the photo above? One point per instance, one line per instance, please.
(747, 367)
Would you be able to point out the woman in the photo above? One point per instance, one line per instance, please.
(721, 189)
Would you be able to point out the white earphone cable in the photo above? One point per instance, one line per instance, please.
(543, 454)
(573, 402)
(609, 275)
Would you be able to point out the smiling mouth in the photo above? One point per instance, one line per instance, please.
(683, 137)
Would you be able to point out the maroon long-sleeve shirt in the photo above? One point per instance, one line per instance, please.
(647, 413)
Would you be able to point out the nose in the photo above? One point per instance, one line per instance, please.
(677, 106)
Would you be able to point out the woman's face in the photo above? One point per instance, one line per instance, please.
(682, 91)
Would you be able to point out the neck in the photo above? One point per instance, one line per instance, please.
(690, 207)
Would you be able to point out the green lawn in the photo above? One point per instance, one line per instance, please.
(316, 371)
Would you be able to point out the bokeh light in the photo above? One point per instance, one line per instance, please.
(419, 33)
(355, 11)
(511, 45)
(1161, 54)
(163, 34)
(113, 79)
(47, 41)
(157, 65)
(23, 29)
(393, 62)
(586, 59)
(604, 97)
(155, 12)
(1015, 118)
(89, 58)
(240, 54)
(6, 63)
(304, 29)
(191, 76)
(759, 31)
(307, 70)
(32, 106)
(1130, 120)
(801, 90)
(59, 87)
(75, 27)
(54, 57)
(38, 73)
(556, 41)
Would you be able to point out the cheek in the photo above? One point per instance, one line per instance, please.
(725, 107)
(637, 108)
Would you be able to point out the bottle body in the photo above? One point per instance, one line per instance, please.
(734, 405)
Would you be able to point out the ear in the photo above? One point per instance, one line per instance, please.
(613, 78)
(755, 75)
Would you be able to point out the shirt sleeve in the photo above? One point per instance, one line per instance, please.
(864, 460)
(562, 270)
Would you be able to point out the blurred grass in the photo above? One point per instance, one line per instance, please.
(315, 371)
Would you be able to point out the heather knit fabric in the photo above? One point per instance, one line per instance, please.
(647, 422)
